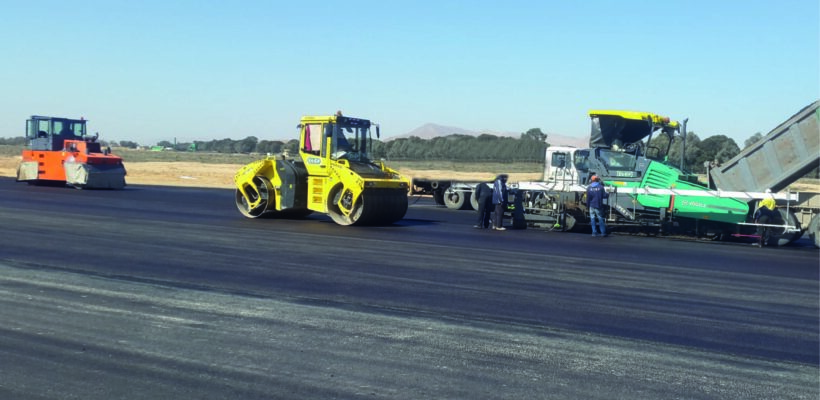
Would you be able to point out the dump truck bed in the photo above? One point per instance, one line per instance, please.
(787, 153)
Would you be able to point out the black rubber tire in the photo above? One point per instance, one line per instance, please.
(780, 239)
(438, 197)
(473, 198)
(457, 199)
(814, 230)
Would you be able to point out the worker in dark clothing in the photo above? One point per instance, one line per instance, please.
(484, 197)
(596, 193)
(499, 201)
(765, 214)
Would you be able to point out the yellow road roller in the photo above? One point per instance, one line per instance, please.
(332, 175)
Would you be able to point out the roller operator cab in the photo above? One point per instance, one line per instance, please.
(60, 151)
(332, 174)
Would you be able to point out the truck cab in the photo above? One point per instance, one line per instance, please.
(565, 166)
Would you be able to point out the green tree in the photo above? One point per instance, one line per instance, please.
(752, 139)
(292, 147)
(182, 146)
(246, 145)
(657, 149)
(692, 156)
(14, 141)
(718, 148)
(534, 134)
(223, 146)
(129, 144)
(269, 146)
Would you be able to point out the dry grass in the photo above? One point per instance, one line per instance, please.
(218, 170)
(181, 174)
(198, 174)
(8, 165)
(221, 175)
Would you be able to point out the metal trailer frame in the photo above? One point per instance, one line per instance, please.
(555, 188)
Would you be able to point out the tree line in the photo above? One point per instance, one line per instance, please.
(714, 149)
(528, 147)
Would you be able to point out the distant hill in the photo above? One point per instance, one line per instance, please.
(555, 139)
(431, 130)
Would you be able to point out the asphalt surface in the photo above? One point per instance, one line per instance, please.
(169, 293)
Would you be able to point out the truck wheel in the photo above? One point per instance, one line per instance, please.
(782, 239)
(456, 199)
(474, 200)
(569, 222)
(438, 197)
(814, 230)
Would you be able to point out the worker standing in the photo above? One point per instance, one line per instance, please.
(765, 214)
(499, 201)
(596, 193)
(484, 197)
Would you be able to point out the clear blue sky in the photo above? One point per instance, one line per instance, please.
(200, 70)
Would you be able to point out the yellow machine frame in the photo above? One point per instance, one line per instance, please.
(334, 186)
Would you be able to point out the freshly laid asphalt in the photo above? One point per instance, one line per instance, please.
(169, 293)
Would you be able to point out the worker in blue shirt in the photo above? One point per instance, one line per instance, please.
(499, 201)
(596, 193)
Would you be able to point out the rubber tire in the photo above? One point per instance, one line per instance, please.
(791, 219)
(438, 197)
(473, 200)
(456, 199)
(569, 222)
(814, 230)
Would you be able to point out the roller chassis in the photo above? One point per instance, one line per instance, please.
(562, 207)
(59, 152)
(332, 175)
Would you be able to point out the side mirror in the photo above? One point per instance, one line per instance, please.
(377, 132)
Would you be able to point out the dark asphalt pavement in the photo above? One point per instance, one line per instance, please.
(169, 293)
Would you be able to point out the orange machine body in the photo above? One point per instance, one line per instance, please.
(58, 150)
(51, 164)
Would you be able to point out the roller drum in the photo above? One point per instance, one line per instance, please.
(261, 188)
(374, 207)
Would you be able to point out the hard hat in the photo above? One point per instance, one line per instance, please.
(768, 203)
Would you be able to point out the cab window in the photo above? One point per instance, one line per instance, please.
(559, 160)
(617, 161)
(582, 160)
(313, 138)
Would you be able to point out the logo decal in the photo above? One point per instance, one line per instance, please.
(314, 160)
